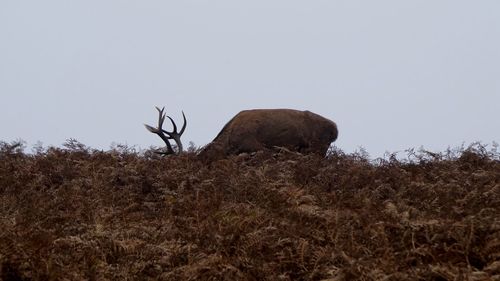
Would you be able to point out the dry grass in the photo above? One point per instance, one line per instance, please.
(74, 213)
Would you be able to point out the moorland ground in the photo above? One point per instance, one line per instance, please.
(75, 213)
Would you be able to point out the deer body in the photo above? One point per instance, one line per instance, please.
(261, 129)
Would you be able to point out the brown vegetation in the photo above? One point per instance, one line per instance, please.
(78, 214)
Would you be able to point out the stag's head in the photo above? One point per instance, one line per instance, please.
(166, 135)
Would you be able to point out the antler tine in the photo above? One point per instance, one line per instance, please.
(161, 117)
(150, 128)
(160, 132)
(185, 124)
(174, 125)
(175, 135)
(174, 132)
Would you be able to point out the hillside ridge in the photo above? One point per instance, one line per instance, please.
(76, 213)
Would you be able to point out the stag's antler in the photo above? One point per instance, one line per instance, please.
(176, 136)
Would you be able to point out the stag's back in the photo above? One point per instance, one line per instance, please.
(259, 129)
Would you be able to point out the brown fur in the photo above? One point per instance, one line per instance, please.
(261, 129)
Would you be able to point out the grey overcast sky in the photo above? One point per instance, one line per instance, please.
(392, 74)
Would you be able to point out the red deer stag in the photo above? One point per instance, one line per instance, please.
(176, 136)
(261, 129)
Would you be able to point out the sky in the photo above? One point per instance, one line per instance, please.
(392, 74)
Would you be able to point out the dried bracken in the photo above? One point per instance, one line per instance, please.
(75, 213)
